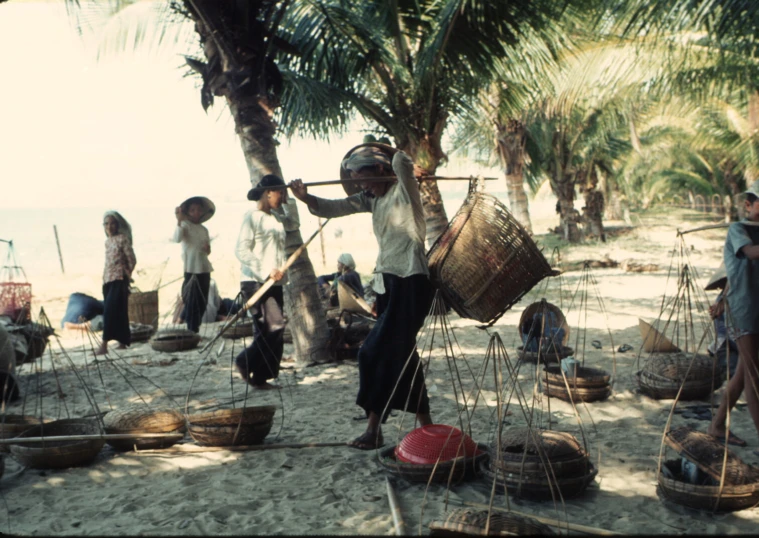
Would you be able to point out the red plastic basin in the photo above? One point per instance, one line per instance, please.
(435, 442)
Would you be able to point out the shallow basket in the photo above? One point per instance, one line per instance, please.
(664, 373)
(168, 340)
(239, 330)
(538, 488)
(13, 425)
(141, 419)
(59, 454)
(143, 307)
(463, 468)
(552, 355)
(585, 378)
(140, 332)
(520, 454)
(229, 427)
(730, 499)
(577, 394)
(485, 260)
(472, 522)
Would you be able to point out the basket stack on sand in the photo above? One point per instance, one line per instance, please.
(13, 425)
(538, 464)
(137, 419)
(55, 454)
(664, 373)
(143, 307)
(580, 384)
(169, 340)
(700, 488)
(549, 351)
(241, 329)
(473, 522)
(232, 427)
(140, 332)
(439, 451)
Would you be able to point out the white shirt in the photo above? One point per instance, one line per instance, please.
(261, 242)
(194, 238)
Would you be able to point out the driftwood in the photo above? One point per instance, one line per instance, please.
(606, 262)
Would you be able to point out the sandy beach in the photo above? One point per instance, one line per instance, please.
(340, 490)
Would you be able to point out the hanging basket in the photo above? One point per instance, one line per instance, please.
(485, 261)
(229, 427)
(577, 394)
(16, 300)
(13, 425)
(140, 332)
(243, 329)
(141, 419)
(456, 470)
(168, 340)
(58, 454)
(472, 522)
(143, 307)
(664, 373)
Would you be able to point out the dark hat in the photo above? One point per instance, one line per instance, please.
(268, 181)
(207, 205)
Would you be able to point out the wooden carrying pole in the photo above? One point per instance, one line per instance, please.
(264, 288)
(57, 438)
(395, 509)
(715, 226)
(375, 180)
(58, 244)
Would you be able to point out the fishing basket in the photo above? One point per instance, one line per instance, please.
(243, 329)
(229, 427)
(535, 488)
(13, 425)
(374, 147)
(136, 419)
(143, 307)
(432, 443)
(485, 260)
(456, 470)
(664, 373)
(58, 454)
(141, 332)
(472, 522)
(539, 455)
(588, 385)
(169, 340)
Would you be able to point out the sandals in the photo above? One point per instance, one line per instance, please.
(367, 441)
(624, 348)
(732, 439)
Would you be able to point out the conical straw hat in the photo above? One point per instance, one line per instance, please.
(653, 340)
(718, 279)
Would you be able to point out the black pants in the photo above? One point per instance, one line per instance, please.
(401, 312)
(262, 358)
(195, 298)
(116, 312)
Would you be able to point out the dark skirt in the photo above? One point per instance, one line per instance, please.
(195, 297)
(401, 312)
(262, 358)
(116, 312)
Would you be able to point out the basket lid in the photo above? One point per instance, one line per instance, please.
(434, 442)
(553, 444)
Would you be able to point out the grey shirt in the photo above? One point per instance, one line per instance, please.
(743, 276)
(397, 219)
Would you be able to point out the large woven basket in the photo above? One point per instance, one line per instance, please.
(472, 522)
(136, 419)
(375, 147)
(143, 307)
(169, 340)
(229, 427)
(536, 488)
(664, 373)
(485, 261)
(555, 454)
(589, 385)
(59, 454)
(242, 329)
(577, 394)
(457, 470)
(140, 332)
(13, 425)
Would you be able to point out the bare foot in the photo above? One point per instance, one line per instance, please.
(368, 441)
(122, 346)
(102, 350)
(266, 386)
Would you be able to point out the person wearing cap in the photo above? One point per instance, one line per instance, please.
(723, 347)
(741, 257)
(196, 247)
(261, 252)
(390, 373)
(346, 272)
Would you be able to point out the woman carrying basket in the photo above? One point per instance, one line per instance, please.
(390, 375)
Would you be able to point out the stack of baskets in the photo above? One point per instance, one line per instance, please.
(438, 451)
(137, 419)
(741, 482)
(538, 464)
(548, 350)
(485, 261)
(472, 522)
(241, 329)
(231, 427)
(586, 385)
(664, 373)
(58, 454)
(174, 340)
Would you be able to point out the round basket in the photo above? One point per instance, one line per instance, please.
(59, 454)
(585, 378)
(536, 488)
(140, 332)
(13, 425)
(521, 455)
(730, 499)
(544, 307)
(577, 394)
(375, 147)
(457, 470)
(174, 340)
(472, 522)
(141, 419)
(228, 427)
(485, 261)
(432, 443)
(239, 330)
(664, 373)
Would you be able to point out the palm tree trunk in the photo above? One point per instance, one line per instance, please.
(511, 150)
(428, 155)
(565, 207)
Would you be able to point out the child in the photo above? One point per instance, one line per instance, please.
(196, 247)
(741, 257)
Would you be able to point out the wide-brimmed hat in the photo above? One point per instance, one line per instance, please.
(718, 279)
(268, 181)
(207, 206)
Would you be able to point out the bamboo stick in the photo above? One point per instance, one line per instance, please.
(548, 521)
(58, 244)
(195, 449)
(714, 226)
(263, 289)
(56, 438)
(375, 180)
(395, 509)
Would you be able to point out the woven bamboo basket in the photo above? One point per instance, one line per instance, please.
(472, 522)
(13, 425)
(228, 427)
(485, 261)
(731, 498)
(59, 454)
(375, 147)
(521, 455)
(168, 340)
(239, 330)
(664, 373)
(585, 378)
(577, 394)
(143, 307)
(140, 332)
(463, 468)
(548, 356)
(538, 489)
(141, 419)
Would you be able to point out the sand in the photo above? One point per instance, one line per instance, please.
(340, 490)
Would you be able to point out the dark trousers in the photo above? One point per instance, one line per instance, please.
(262, 358)
(401, 312)
(195, 298)
(116, 312)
